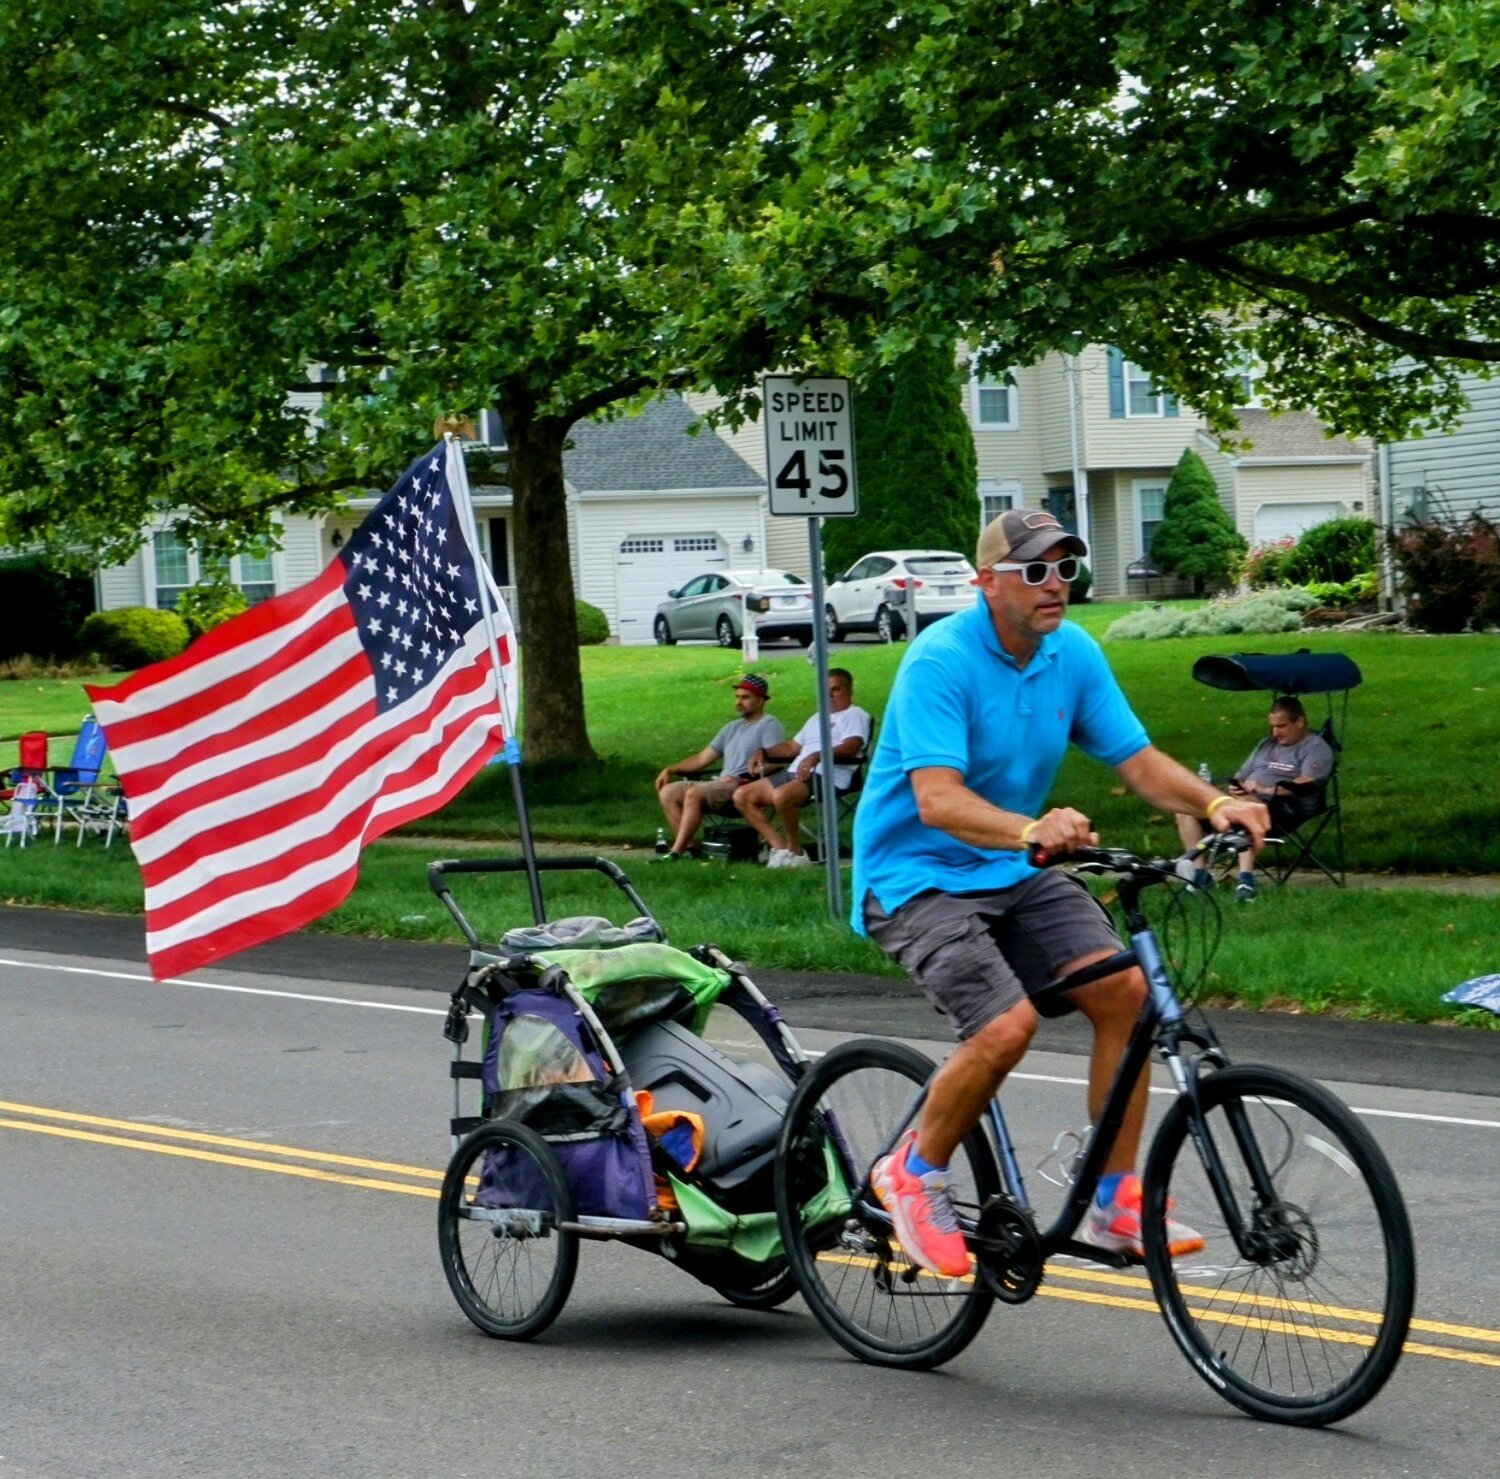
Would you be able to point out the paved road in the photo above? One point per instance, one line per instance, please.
(194, 1284)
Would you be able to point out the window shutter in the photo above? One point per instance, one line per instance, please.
(1116, 383)
(1169, 406)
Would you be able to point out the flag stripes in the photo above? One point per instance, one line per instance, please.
(260, 762)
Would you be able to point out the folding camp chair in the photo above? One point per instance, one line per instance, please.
(1316, 839)
(71, 788)
(846, 798)
(24, 789)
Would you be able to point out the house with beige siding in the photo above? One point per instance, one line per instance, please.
(649, 506)
(656, 499)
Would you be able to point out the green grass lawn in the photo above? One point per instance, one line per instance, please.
(1379, 954)
(1418, 793)
(1422, 733)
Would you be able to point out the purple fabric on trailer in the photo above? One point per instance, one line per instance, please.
(609, 1174)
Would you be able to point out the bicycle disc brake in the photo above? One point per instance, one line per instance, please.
(1008, 1250)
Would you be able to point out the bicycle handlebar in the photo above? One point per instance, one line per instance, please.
(1122, 860)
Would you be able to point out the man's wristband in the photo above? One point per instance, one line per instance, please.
(1026, 832)
(1216, 803)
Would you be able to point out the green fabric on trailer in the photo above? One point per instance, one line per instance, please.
(755, 1236)
(592, 971)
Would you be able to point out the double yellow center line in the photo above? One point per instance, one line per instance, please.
(1471, 1343)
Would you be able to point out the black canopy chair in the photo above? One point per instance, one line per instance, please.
(1302, 672)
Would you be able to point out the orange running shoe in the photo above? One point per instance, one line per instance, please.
(1117, 1227)
(921, 1211)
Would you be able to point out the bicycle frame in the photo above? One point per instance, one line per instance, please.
(1162, 1027)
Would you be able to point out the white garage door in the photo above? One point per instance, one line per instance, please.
(649, 566)
(1287, 520)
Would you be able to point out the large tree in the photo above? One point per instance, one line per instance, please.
(556, 208)
(1312, 185)
(200, 201)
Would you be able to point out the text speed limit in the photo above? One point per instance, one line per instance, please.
(809, 447)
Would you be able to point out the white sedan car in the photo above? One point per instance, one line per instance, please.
(715, 606)
(874, 594)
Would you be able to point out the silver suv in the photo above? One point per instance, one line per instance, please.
(875, 594)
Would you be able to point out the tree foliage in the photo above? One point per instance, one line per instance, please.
(1311, 185)
(202, 201)
(553, 209)
(915, 455)
(1195, 538)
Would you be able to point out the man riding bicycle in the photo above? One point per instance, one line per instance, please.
(982, 711)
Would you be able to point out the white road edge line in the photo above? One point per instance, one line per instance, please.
(387, 1006)
(338, 1001)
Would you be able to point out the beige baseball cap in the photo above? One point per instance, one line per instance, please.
(1021, 534)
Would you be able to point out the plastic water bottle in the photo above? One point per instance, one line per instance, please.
(661, 840)
(1205, 774)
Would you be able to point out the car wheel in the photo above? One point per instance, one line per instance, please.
(725, 633)
(888, 626)
(664, 637)
(831, 626)
(804, 638)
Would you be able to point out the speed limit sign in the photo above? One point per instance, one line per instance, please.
(809, 447)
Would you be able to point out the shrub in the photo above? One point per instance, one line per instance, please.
(1278, 609)
(203, 607)
(1338, 549)
(1343, 592)
(133, 636)
(593, 625)
(1195, 537)
(1264, 564)
(1078, 592)
(1450, 572)
(41, 608)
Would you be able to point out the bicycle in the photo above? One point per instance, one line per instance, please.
(1297, 1307)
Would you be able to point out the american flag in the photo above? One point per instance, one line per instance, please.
(260, 761)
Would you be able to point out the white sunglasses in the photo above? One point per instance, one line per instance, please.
(1037, 572)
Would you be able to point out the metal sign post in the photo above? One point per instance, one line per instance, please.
(810, 474)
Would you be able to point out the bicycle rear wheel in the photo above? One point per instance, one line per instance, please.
(853, 1274)
(1300, 1318)
(508, 1263)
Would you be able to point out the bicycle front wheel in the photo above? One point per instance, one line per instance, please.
(866, 1293)
(508, 1261)
(1298, 1304)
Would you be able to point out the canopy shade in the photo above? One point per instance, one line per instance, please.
(1290, 672)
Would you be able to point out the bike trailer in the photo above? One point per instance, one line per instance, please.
(594, 1039)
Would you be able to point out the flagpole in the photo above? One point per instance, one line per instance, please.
(458, 484)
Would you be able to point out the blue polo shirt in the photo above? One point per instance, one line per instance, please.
(961, 701)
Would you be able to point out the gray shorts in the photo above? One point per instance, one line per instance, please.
(977, 955)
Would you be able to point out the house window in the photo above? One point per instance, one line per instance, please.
(996, 496)
(173, 572)
(1150, 502)
(1142, 398)
(994, 402)
(178, 566)
(695, 544)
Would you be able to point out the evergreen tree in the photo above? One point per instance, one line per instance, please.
(914, 453)
(1195, 538)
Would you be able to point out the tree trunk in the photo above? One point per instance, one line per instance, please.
(552, 721)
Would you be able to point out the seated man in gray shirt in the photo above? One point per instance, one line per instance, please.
(684, 802)
(1288, 771)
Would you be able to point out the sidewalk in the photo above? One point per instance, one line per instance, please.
(1399, 1054)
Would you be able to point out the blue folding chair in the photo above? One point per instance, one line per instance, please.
(71, 790)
